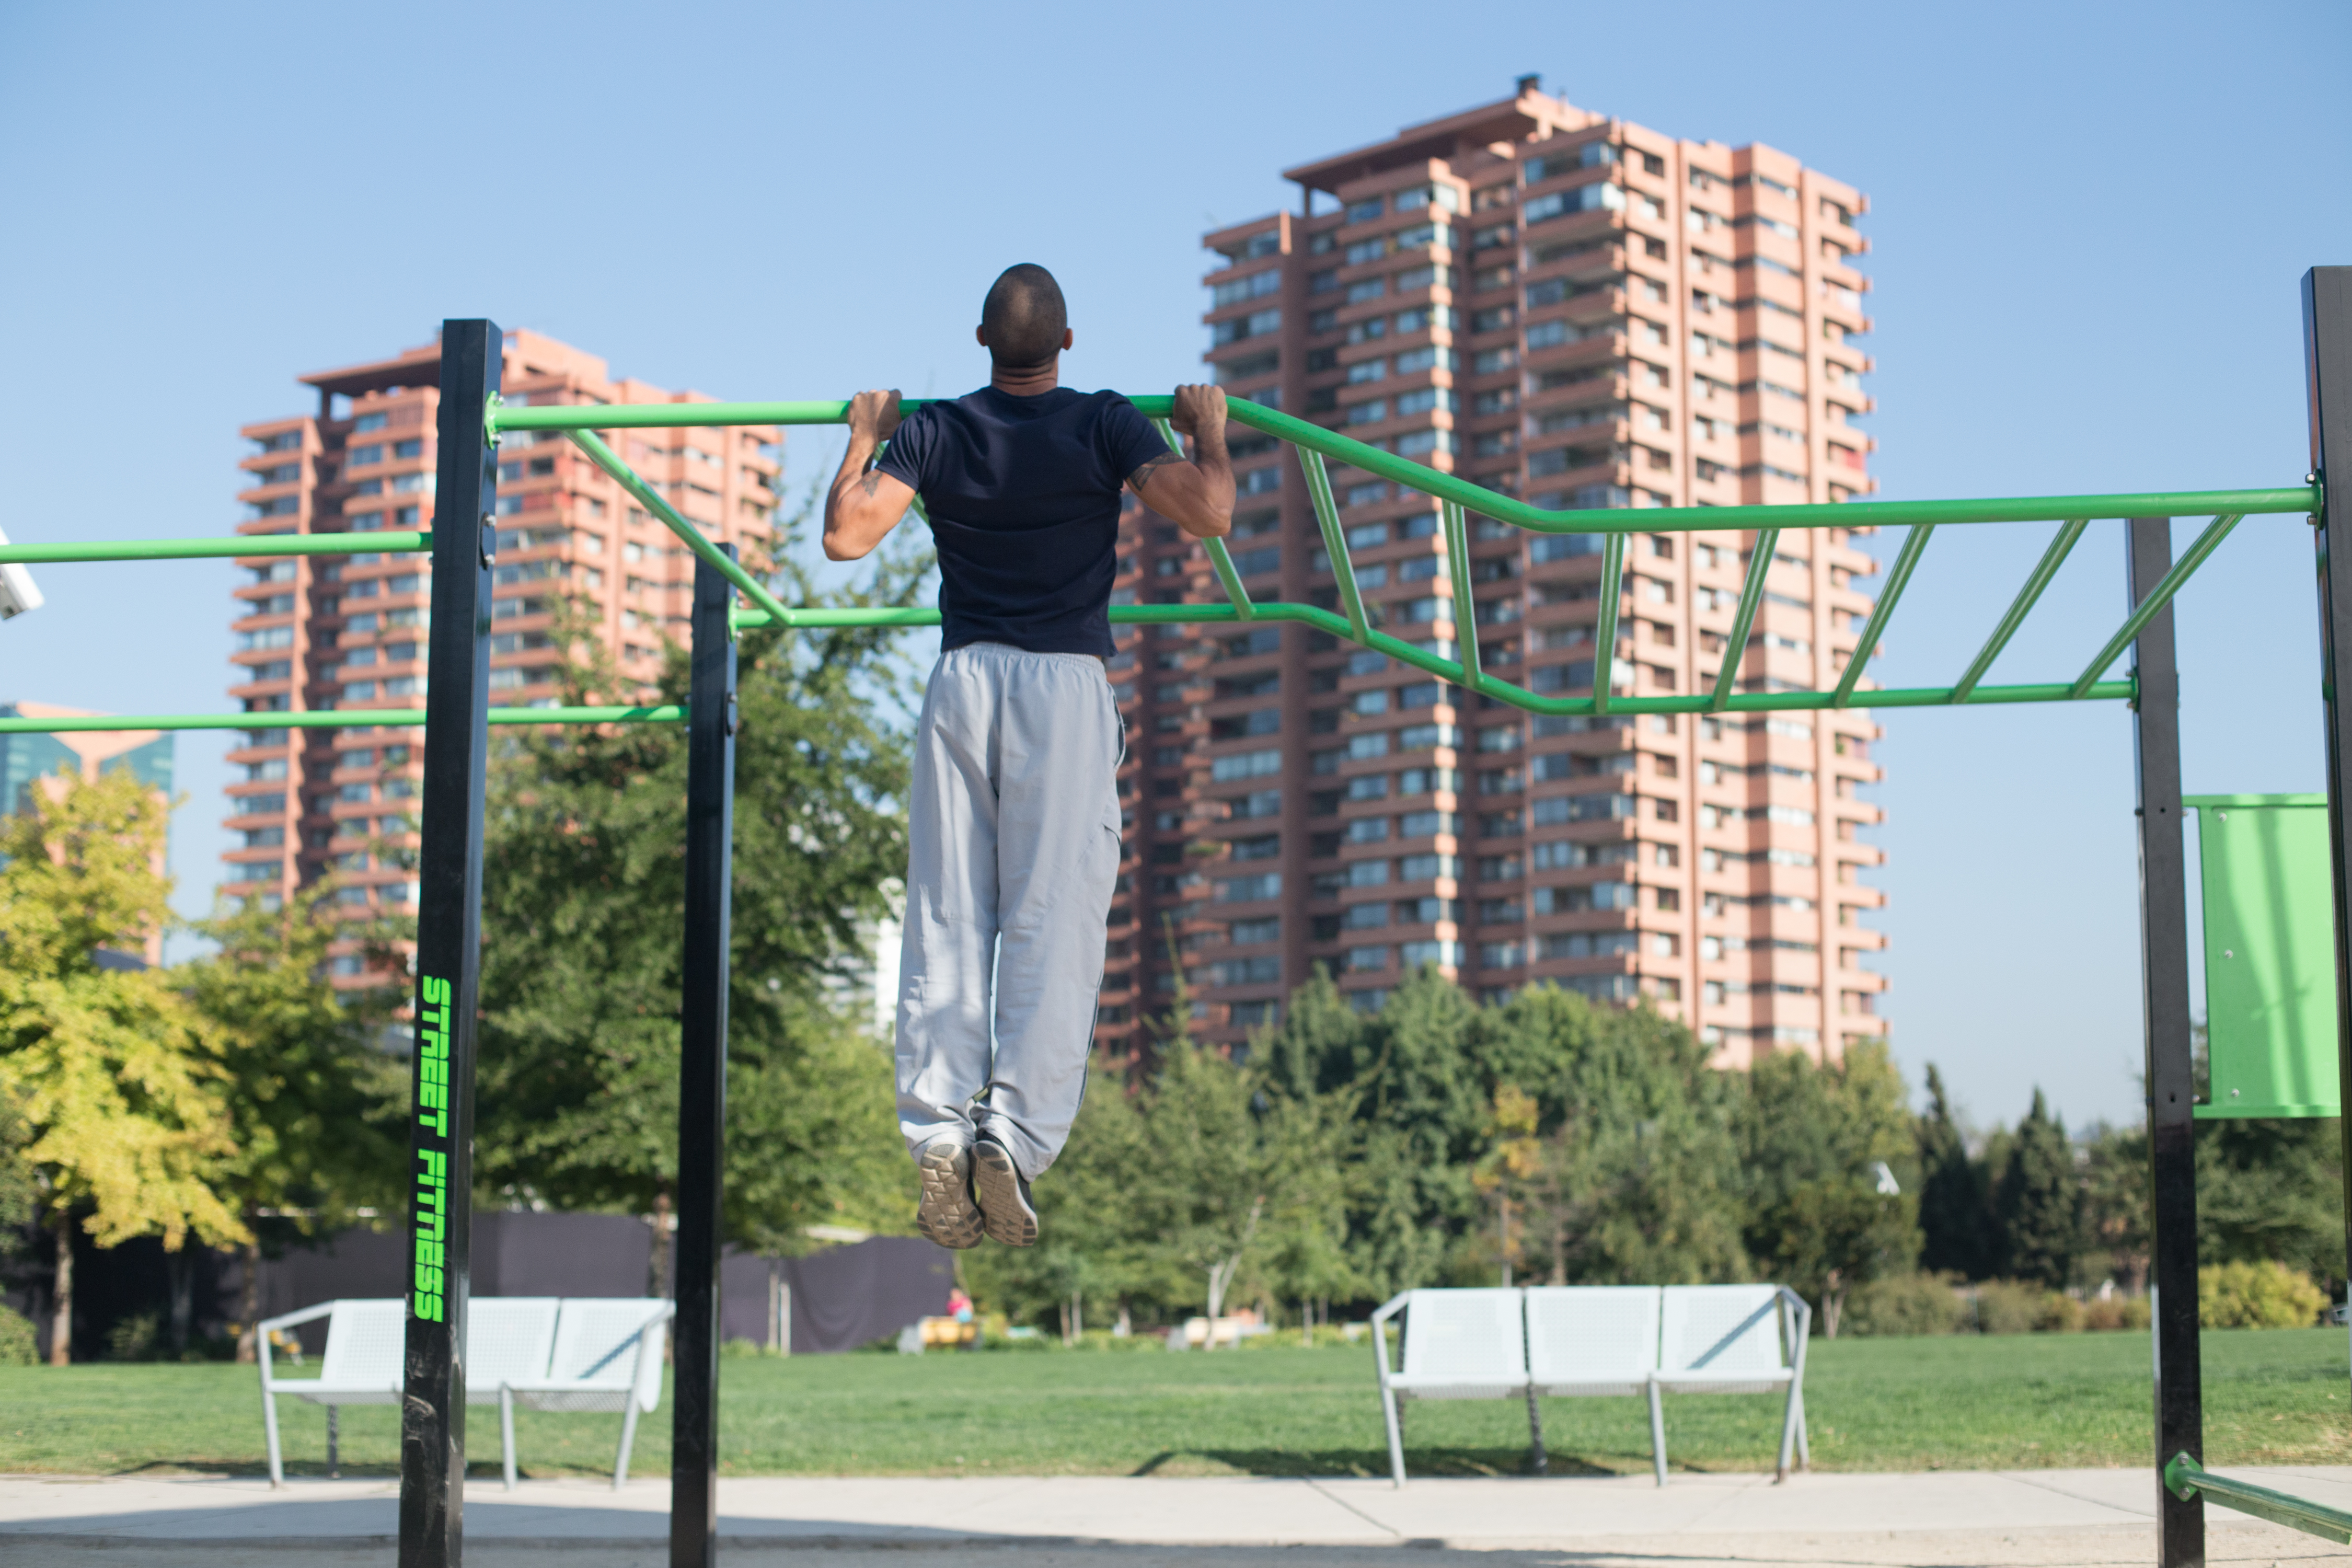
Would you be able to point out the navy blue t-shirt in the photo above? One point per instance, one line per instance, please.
(1023, 494)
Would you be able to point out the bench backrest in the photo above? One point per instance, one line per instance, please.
(508, 1339)
(596, 1346)
(1597, 1338)
(366, 1341)
(1722, 1329)
(1465, 1333)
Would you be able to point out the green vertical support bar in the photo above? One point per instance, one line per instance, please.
(1335, 538)
(1898, 576)
(1604, 635)
(2060, 546)
(1218, 555)
(1466, 613)
(2158, 596)
(1751, 594)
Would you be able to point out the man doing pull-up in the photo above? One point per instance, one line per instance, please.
(1013, 831)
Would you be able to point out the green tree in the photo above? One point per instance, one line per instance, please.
(1821, 1145)
(1638, 1182)
(1954, 1194)
(2114, 1202)
(113, 1072)
(2270, 1191)
(2040, 1203)
(583, 892)
(321, 1114)
(1090, 1245)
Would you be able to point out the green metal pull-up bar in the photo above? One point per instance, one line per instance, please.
(1315, 448)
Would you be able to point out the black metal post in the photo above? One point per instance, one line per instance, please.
(2164, 975)
(449, 956)
(2327, 374)
(702, 1071)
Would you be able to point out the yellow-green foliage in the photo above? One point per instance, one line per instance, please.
(2267, 1295)
(111, 1070)
(17, 1341)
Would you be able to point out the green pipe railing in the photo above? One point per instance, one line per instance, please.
(333, 719)
(2158, 597)
(1336, 447)
(1315, 448)
(1898, 577)
(2022, 605)
(1725, 700)
(1751, 595)
(203, 549)
(2188, 1479)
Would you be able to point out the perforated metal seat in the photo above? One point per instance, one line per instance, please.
(1733, 1339)
(607, 1356)
(1458, 1344)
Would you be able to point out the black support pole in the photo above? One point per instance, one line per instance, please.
(2327, 376)
(702, 1071)
(2164, 974)
(448, 957)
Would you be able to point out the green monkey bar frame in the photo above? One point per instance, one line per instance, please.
(458, 715)
(1315, 449)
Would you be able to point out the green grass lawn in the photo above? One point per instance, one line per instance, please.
(1963, 1402)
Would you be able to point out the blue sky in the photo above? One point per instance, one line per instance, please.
(2087, 223)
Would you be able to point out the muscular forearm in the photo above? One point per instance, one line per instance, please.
(849, 534)
(1215, 514)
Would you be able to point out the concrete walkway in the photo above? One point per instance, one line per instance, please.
(2022, 1517)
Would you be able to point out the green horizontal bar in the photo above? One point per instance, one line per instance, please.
(2158, 597)
(605, 458)
(206, 549)
(1506, 508)
(2186, 1479)
(2253, 800)
(330, 719)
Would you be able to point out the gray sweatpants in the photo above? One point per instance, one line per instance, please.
(1012, 848)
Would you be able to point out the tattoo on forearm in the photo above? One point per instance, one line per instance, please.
(1138, 480)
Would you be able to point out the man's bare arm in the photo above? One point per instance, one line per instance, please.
(1198, 496)
(864, 506)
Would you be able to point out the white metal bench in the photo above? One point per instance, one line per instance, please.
(582, 1355)
(1596, 1339)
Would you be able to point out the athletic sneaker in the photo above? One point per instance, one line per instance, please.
(946, 1214)
(1003, 1194)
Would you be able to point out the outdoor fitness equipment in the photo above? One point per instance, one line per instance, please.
(458, 715)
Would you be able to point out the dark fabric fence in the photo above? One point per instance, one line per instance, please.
(840, 1298)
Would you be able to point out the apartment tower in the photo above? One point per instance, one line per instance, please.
(1583, 312)
(348, 632)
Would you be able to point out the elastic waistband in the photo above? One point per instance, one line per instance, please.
(1002, 652)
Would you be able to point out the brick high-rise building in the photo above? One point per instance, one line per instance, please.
(1587, 314)
(348, 633)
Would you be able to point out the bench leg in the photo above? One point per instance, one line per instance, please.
(1396, 1435)
(628, 1437)
(334, 1457)
(1790, 1424)
(506, 1434)
(1538, 1462)
(270, 1428)
(1657, 1435)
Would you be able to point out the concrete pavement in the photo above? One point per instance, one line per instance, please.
(1946, 1517)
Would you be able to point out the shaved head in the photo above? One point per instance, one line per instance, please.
(1024, 317)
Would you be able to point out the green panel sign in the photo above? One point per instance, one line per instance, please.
(2270, 955)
